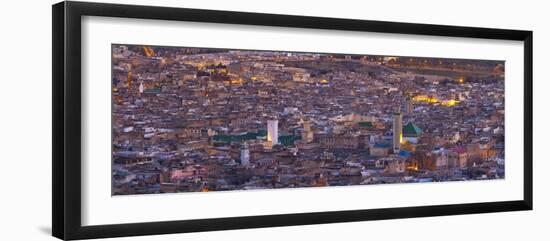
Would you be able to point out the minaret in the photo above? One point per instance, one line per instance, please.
(210, 134)
(397, 131)
(307, 135)
(273, 132)
(129, 77)
(245, 154)
(408, 105)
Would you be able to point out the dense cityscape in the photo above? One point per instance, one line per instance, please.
(199, 119)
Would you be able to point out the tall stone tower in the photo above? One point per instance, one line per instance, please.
(397, 131)
(408, 105)
(273, 132)
(307, 134)
(245, 154)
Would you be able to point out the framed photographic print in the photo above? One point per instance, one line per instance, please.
(170, 120)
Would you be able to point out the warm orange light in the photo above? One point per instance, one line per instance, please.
(129, 79)
(236, 81)
(450, 102)
(148, 51)
(424, 98)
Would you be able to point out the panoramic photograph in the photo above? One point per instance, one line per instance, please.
(191, 119)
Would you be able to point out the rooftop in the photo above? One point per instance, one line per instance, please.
(411, 130)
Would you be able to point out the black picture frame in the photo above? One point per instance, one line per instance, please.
(66, 128)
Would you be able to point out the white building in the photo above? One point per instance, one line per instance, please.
(141, 88)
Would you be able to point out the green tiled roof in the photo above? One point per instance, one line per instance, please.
(152, 91)
(411, 130)
(365, 124)
(240, 137)
(288, 140)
